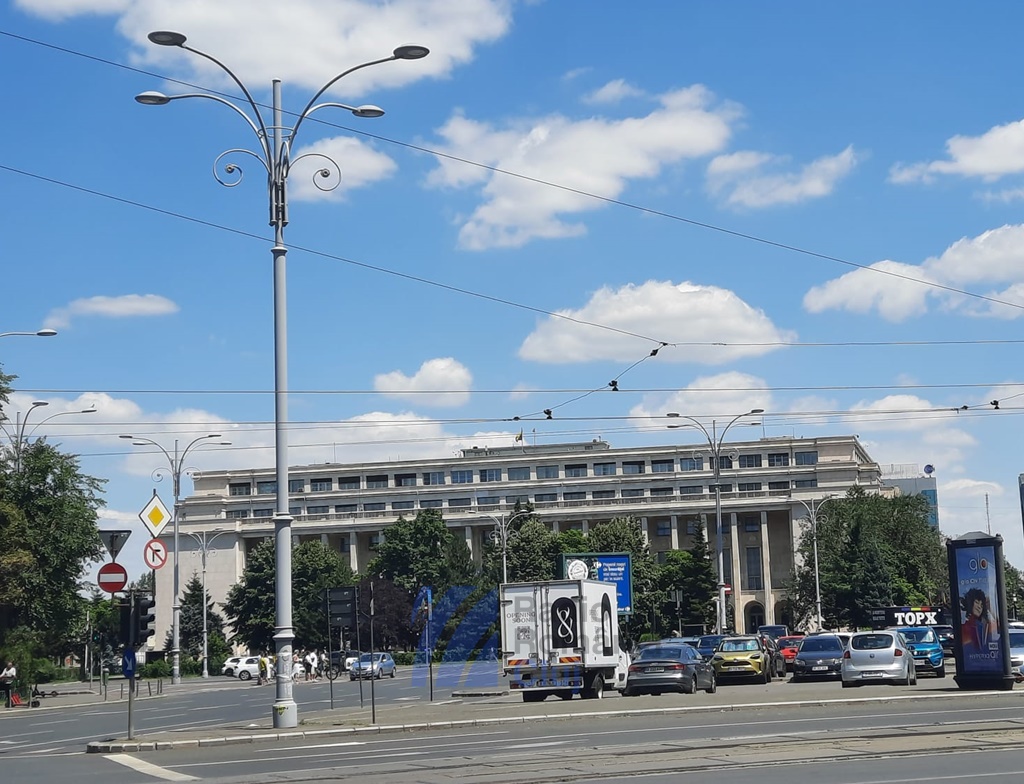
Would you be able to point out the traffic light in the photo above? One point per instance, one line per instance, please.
(341, 605)
(144, 616)
(125, 625)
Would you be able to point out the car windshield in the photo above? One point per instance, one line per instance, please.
(817, 644)
(365, 658)
(919, 635)
(1017, 638)
(659, 652)
(709, 641)
(789, 642)
(729, 646)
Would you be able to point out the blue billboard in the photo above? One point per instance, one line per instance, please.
(978, 598)
(616, 568)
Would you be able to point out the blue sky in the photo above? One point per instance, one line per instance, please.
(811, 209)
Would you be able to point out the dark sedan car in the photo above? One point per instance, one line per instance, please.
(673, 667)
(945, 635)
(820, 656)
(706, 645)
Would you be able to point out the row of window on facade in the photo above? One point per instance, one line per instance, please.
(539, 499)
(525, 473)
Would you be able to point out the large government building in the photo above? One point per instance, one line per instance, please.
(766, 488)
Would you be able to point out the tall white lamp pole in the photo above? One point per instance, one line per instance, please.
(813, 510)
(205, 542)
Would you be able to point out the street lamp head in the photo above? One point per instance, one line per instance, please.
(411, 52)
(128, 437)
(213, 435)
(368, 110)
(756, 411)
(39, 404)
(46, 333)
(166, 38)
(89, 410)
(152, 98)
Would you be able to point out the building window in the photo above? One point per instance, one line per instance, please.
(488, 502)
(403, 504)
(575, 470)
(632, 466)
(725, 488)
(547, 472)
(240, 488)
(348, 482)
(574, 496)
(664, 528)
(754, 581)
(778, 485)
(345, 508)
(805, 458)
(750, 461)
(262, 512)
(751, 522)
(801, 483)
(749, 487)
(490, 474)
(295, 511)
(318, 510)
(778, 459)
(405, 480)
(519, 474)
(662, 466)
(376, 506)
(458, 503)
(266, 488)
(433, 478)
(434, 503)
(691, 464)
(375, 541)
(296, 485)
(661, 492)
(692, 526)
(604, 469)
(319, 485)
(237, 514)
(462, 477)
(598, 494)
(632, 493)
(541, 498)
(377, 480)
(724, 461)
(691, 490)
(512, 500)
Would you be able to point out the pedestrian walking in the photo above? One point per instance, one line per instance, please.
(264, 670)
(7, 677)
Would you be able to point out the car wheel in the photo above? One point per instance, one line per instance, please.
(913, 676)
(766, 676)
(244, 675)
(795, 678)
(940, 671)
(595, 687)
(714, 684)
(393, 671)
(628, 693)
(690, 687)
(848, 684)
(534, 696)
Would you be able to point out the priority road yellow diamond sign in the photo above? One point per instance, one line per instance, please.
(155, 515)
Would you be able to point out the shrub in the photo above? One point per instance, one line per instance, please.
(156, 669)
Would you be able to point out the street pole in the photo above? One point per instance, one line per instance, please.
(176, 464)
(715, 443)
(19, 437)
(500, 537)
(812, 516)
(205, 543)
(275, 149)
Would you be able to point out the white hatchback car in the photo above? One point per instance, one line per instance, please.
(243, 667)
(872, 657)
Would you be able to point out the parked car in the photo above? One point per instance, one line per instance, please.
(788, 646)
(946, 638)
(372, 665)
(669, 667)
(341, 661)
(744, 657)
(243, 667)
(924, 646)
(775, 658)
(706, 645)
(773, 631)
(820, 656)
(877, 657)
(1016, 649)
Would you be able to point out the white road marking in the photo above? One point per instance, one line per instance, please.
(148, 768)
(537, 745)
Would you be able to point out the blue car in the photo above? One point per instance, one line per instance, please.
(924, 646)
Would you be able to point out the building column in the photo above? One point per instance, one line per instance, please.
(353, 550)
(766, 571)
(737, 574)
(585, 526)
(467, 533)
(325, 540)
(645, 531)
(674, 532)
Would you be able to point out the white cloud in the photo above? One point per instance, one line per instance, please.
(126, 306)
(675, 313)
(438, 382)
(359, 164)
(303, 42)
(993, 257)
(739, 177)
(996, 153)
(689, 123)
(613, 92)
(720, 398)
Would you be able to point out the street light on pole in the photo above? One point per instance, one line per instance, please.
(715, 442)
(500, 537)
(176, 463)
(275, 142)
(813, 510)
(18, 436)
(205, 542)
(39, 333)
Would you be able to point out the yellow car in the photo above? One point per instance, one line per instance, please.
(742, 657)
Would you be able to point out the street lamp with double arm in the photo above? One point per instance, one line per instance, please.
(715, 441)
(813, 511)
(176, 465)
(204, 541)
(500, 534)
(18, 437)
(274, 153)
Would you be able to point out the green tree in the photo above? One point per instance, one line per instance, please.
(625, 535)
(250, 605)
(533, 553)
(190, 624)
(692, 573)
(423, 552)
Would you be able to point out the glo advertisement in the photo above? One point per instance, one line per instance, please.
(978, 602)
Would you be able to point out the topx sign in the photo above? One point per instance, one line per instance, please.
(917, 618)
(881, 617)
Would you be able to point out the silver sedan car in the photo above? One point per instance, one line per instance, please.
(873, 657)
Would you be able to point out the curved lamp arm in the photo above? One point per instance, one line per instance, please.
(154, 98)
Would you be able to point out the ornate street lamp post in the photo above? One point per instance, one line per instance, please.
(813, 511)
(205, 542)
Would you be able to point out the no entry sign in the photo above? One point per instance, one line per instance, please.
(112, 578)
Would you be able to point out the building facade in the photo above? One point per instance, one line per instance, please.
(908, 479)
(670, 490)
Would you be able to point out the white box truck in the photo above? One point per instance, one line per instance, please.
(561, 637)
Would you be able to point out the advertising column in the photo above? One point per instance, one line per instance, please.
(981, 647)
